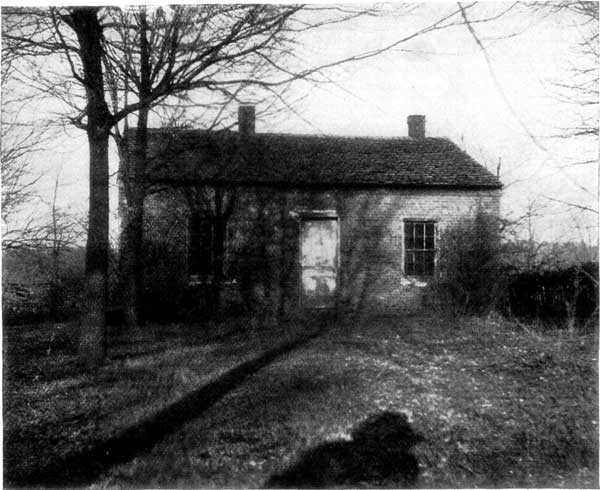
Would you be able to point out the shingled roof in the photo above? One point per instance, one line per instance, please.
(228, 158)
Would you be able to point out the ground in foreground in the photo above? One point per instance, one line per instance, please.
(489, 403)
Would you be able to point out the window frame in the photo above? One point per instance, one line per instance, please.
(203, 223)
(424, 250)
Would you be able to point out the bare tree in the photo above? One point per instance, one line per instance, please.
(63, 231)
(215, 205)
(19, 141)
(40, 34)
(581, 89)
(18, 187)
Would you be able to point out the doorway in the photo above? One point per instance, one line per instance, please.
(319, 245)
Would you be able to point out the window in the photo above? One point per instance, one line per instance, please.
(201, 246)
(419, 248)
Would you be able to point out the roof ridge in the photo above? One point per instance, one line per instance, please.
(295, 135)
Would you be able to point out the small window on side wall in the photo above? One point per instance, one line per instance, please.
(419, 248)
(200, 246)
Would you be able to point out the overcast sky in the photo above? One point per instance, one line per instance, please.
(444, 76)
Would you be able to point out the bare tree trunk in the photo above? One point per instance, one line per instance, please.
(55, 256)
(92, 340)
(55, 283)
(219, 227)
(224, 203)
(131, 251)
(283, 255)
(92, 348)
(131, 262)
(265, 265)
(132, 269)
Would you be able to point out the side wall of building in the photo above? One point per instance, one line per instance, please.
(373, 267)
(263, 242)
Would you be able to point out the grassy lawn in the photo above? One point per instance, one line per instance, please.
(229, 405)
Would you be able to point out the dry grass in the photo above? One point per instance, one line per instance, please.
(496, 405)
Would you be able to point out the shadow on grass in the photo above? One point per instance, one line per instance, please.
(377, 455)
(84, 467)
(123, 348)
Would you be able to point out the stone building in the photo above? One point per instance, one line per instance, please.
(295, 222)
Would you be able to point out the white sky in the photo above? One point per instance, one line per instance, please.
(444, 76)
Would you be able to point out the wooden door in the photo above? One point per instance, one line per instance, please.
(319, 252)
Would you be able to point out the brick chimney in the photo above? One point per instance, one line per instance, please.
(246, 119)
(416, 126)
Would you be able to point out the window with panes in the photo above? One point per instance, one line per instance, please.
(419, 248)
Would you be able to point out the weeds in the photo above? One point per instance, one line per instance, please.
(497, 404)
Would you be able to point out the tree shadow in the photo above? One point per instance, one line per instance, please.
(378, 455)
(161, 343)
(82, 468)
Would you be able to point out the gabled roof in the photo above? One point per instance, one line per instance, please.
(225, 157)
